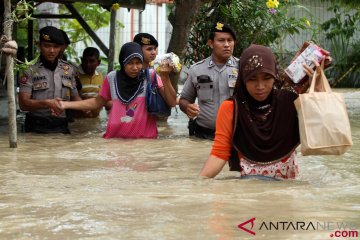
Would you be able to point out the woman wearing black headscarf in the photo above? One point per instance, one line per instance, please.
(126, 89)
(257, 130)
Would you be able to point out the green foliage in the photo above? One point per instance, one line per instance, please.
(22, 11)
(350, 4)
(21, 67)
(95, 16)
(341, 31)
(21, 14)
(253, 21)
(22, 33)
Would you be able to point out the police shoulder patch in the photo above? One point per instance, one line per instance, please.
(65, 67)
(24, 79)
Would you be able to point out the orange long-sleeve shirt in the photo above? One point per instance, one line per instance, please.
(224, 130)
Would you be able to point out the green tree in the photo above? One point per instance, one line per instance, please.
(95, 16)
(255, 22)
(342, 31)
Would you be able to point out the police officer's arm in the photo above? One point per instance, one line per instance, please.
(28, 104)
(167, 91)
(190, 109)
(188, 96)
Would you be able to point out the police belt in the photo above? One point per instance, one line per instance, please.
(46, 124)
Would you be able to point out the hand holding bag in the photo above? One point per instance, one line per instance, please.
(155, 103)
(323, 120)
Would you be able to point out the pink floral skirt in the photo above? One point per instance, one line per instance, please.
(284, 169)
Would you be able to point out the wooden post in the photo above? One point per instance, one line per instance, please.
(30, 39)
(112, 36)
(9, 71)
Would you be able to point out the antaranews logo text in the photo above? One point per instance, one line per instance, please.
(348, 227)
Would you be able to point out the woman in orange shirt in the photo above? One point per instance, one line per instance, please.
(257, 130)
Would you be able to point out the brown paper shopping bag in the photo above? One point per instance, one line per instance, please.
(323, 120)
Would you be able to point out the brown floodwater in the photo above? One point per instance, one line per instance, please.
(81, 186)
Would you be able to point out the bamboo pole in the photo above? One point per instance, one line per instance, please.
(9, 72)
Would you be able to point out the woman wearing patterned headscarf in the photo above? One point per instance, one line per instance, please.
(257, 130)
(126, 89)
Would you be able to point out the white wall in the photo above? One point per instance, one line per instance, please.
(152, 20)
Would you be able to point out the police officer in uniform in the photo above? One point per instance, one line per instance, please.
(45, 82)
(210, 81)
(149, 46)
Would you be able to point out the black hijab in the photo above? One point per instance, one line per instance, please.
(265, 131)
(128, 88)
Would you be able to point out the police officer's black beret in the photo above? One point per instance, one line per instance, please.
(51, 34)
(223, 27)
(145, 39)
(66, 38)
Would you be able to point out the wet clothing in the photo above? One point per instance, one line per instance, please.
(90, 84)
(43, 83)
(266, 130)
(285, 168)
(46, 124)
(199, 131)
(210, 85)
(263, 134)
(130, 120)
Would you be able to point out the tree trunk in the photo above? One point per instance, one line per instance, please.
(9, 72)
(181, 20)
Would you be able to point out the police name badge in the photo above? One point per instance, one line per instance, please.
(40, 85)
(232, 78)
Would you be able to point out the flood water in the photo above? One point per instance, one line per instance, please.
(81, 186)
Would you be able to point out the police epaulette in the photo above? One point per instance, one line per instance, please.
(199, 62)
(70, 64)
(62, 61)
